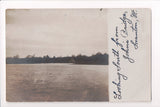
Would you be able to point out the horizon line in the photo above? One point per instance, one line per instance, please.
(56, 56)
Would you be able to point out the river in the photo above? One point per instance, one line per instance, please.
(56, 82)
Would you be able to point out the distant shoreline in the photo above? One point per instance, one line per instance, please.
(96, 59)
(55, 64)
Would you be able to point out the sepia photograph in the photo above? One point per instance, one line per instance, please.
(56, 55)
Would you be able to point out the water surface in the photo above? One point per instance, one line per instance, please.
(56, 82)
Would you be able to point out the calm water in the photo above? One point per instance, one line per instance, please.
(56, 82)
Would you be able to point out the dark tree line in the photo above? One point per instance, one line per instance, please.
(98, 59)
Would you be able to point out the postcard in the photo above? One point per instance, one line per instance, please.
(78, 55)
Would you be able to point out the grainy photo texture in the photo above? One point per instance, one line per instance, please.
(56, 55)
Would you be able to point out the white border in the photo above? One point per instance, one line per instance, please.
(154, 5)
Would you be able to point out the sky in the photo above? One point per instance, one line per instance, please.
(56, 32)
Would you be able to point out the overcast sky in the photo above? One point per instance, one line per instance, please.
(56, 32)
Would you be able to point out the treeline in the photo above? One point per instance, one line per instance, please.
(99, 58)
